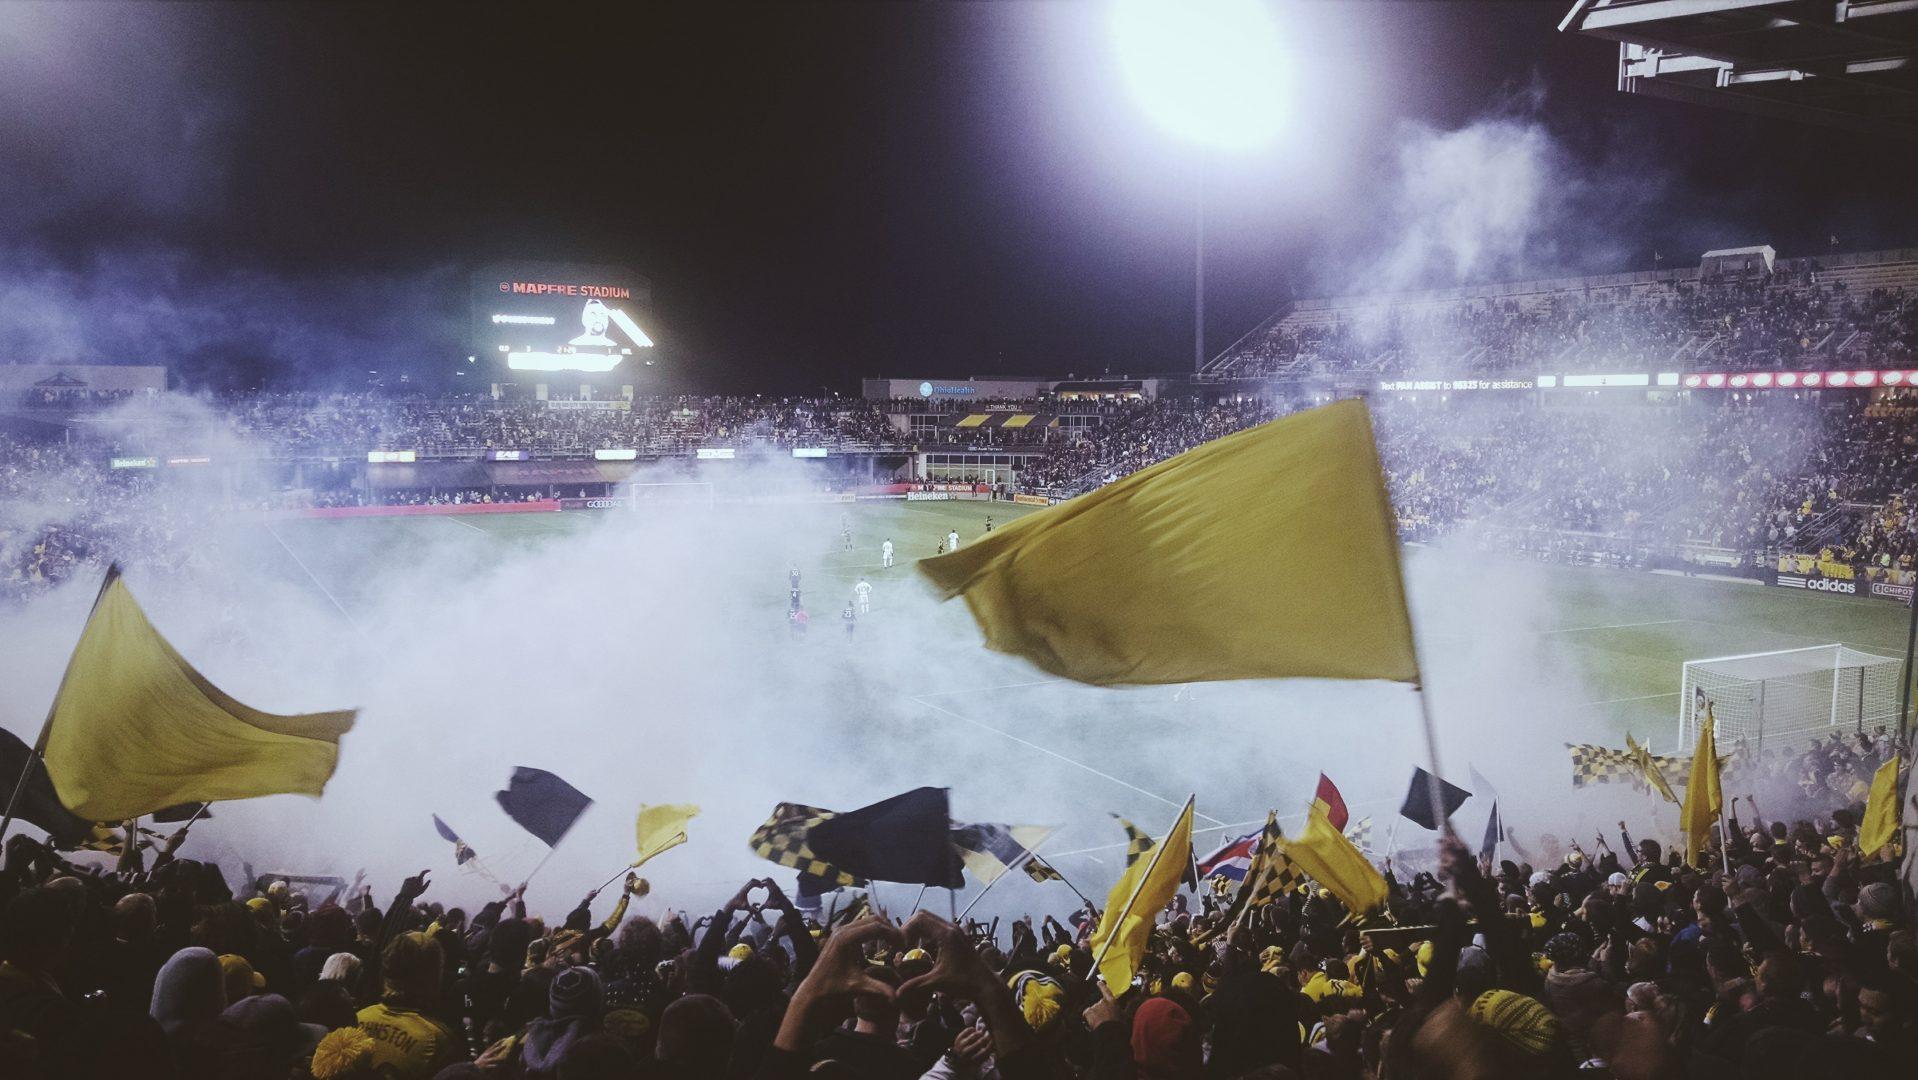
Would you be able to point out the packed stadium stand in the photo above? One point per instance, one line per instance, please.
(1741, 311)
(1670, 470)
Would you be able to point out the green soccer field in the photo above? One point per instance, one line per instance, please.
(1519, 658)
(1620, 636)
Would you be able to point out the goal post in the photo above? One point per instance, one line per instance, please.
(1789, 695)
(682, 493)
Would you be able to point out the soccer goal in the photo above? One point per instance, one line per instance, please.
(681, 493)
(1789, 695)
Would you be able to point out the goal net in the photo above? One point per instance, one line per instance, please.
(1788, 696)
(686, 493)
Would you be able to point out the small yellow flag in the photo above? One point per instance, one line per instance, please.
(1146, 887)
(661, 828)
(1703, 799)
(136, 729)
(1266, 554)
(1880, 826)
(1334, 862)
(1649, 766)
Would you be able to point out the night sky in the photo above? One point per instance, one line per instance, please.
(295, 194)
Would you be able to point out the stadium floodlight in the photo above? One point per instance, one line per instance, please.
(1208, 70)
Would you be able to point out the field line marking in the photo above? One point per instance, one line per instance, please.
(1621, 700)
(989, 689)
(1612, 626)
(314, 578)
(1054, 753)
(455, 519)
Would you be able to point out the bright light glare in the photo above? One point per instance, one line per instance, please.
(1210, 70)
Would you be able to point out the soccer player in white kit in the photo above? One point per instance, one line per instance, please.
(863, 591)
(952, 540)
(885, 554)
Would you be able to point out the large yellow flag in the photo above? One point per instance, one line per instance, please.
(1881, 810)
(135, 729)
(1146, 887)
(1334, 862)
(661, 828)
(1265, 554)
(1703, 799)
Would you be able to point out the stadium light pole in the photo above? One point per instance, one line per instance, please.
(1209, 71)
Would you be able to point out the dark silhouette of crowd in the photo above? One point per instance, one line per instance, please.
(1781, 950)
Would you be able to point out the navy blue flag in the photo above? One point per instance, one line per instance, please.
(1494, 832)
(542, 803)
(36, 802)
(186, 811)
(905, 838)
(1418, 799)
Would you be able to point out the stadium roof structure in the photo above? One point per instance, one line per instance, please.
(1839, 63)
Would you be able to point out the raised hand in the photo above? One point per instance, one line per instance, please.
(956, 968)
(970, 1051)
(840, 973)
(1103, 1011)
(412, 887)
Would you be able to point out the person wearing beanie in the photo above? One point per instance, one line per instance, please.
(188, 996)
(1520, 1023)
(409, 1044)
(241, 980)
(265, 1038)
(343, 1054)
(1165, 1042)
(575, 1009)
(1041, 1000)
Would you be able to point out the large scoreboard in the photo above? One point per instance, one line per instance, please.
(552, 317)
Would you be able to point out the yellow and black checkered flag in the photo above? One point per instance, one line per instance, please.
(783, 839)
(1604, 765)
(1138, 845)
(1360, 834)
(1272, 874)
(1041, 871)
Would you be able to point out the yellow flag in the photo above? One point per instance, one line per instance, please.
(1649, 766)
(1266, 554)
(1146, 887)
(1334, 862)
(1881, 810)
(135, 729)
(661, 828)
(1703, 799)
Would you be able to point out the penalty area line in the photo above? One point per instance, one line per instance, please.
(312, 577)
(1055, 754)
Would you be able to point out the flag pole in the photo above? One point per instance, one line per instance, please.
(1425, 701)
(1083, 898)
(1904, 691)
(615, 877)
(1031, 854)
(1158, 850)
(537, 867)
(40, 744)
(917, 897)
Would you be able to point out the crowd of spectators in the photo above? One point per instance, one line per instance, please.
(1782, 949)
(298, 423)
(1786, 321)
(1746, 477)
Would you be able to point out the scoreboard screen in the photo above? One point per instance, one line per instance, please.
(545, 317)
